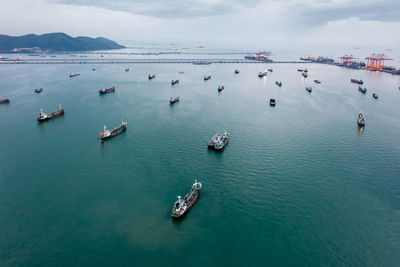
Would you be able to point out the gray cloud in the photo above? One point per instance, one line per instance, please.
(255, 24)
(309, 12)
(167, 9)
(323, 12)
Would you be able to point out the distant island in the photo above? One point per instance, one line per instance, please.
(54, 42)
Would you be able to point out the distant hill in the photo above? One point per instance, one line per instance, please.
(54, 42)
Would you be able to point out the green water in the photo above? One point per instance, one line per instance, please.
(298, 184)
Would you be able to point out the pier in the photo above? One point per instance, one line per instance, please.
(141, 61)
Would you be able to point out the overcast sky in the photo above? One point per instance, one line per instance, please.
(233, 23)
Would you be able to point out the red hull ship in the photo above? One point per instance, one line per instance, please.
(44, 117)
(108, 90)
(183, 205)
(5, 100)
(356, 81)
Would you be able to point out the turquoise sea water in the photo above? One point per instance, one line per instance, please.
(298, 184)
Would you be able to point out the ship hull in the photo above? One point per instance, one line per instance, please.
(179, 216)
(106, 92)
(114, 132)
(357, 81)
(51, 116)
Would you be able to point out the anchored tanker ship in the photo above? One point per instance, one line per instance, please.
(107, 134)
(44, 117)
(183, 205)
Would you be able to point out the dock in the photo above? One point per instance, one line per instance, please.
(143, 61)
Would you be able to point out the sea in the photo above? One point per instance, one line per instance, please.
(300, 184)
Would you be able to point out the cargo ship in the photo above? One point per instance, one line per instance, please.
(152, 76)
(174, 82)
(221, 88)
(362, 90)
(207, 77)
(262, 74)
(5, 100)
(183, 205)
(73, 75)
(361, 120)
(317, 81)
(173, 100)
(356, 81)
(44, 117)
(103, 91)
(278, 83)
(38, 90)
(219, 142)
(107, 134)
(237, 71)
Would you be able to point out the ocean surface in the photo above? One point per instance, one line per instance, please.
(299, 184)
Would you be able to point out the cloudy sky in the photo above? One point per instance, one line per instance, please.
(233, 23)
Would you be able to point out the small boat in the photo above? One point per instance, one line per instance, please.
(71, 75)
(262, 74)
(151, 76)
(207, 77)
(300, 70)
(362, 90)
(174, 82)
(107, 134)
(272, 102)
(5, 100)
(38, 90)
(181, 72)
(93, 69)
(305, 70)
(183, 205)
(173, 100)
(317, 81)
(44, 117)
(221, 88)
(374, 95)
(278, 83)
(218, 141)
(237, 71)
(103, 91)
(270, 70)
(356, 81)
(360, 119)
(127, 69)
(304, 74)
(309, 89)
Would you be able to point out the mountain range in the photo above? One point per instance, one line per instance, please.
(54, 42)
